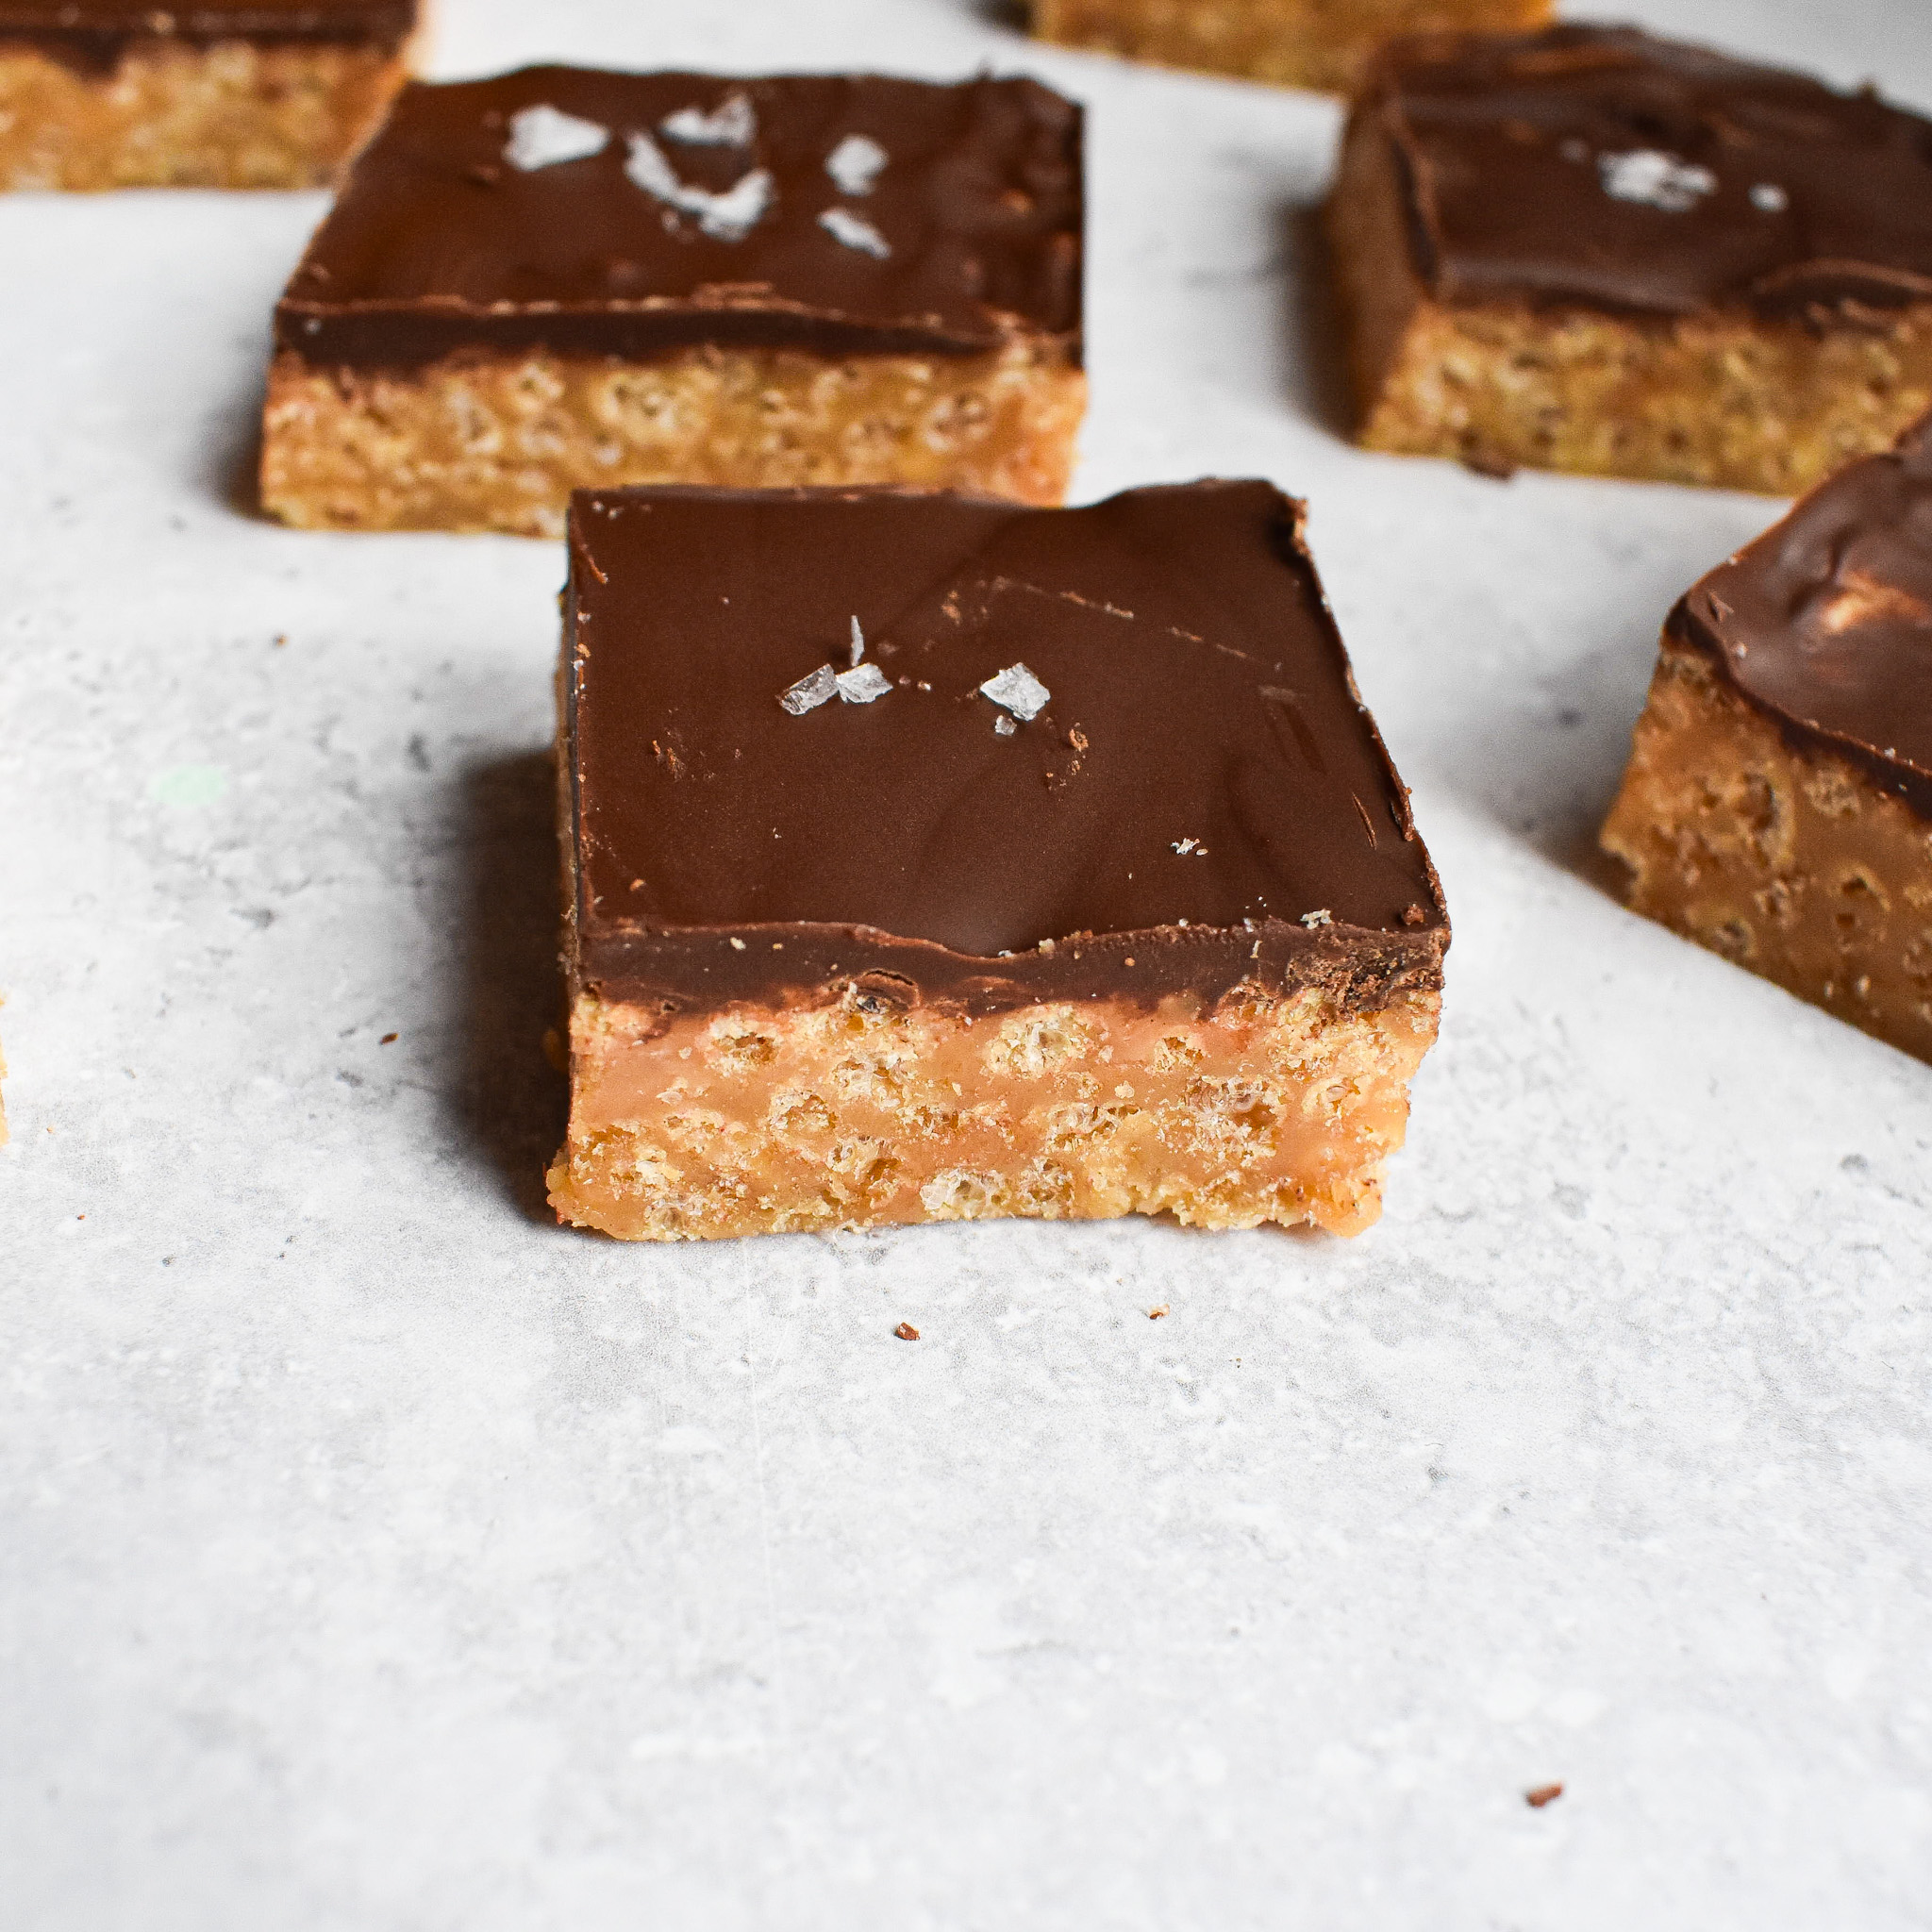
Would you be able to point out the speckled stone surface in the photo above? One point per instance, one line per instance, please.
(375, 1556)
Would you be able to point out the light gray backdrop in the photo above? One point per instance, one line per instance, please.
(374, 1555)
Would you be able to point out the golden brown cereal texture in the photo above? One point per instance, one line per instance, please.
(1317, 44)
(762, 1120)
(1795, 865)
(230, 115)
(485, 442)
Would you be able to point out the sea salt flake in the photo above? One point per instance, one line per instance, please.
(544, 136)
(809, 693)
(862, 684)
(732, 124)
(857, 641)
(1016, 690)
(1655, 179)
(726, 215)
(855, 163)
(853, 231)
(1184, 846)
(1311, 920)
(1769, 197)
(1003, 726)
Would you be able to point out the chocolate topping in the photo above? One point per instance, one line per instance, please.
(1600, 165)
(1824, 623)
(840, 214)
(1200, 800)
(92, 35)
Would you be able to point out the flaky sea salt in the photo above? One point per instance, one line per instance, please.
(855, 163)
(857, 641)
(1184, 846)
(862, 684)
(853, 231)
(1769, 198)
(1016, 690)
(726, 215)
(544, 136)
(732, 124)
(809, 693)
(1004, 726)
(1655, 179)
(1311, 920)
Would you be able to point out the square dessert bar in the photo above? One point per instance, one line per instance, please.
(1778, 804)
(222, 93)
(1591, 250)
(561, 278)
(929, 859)
(1319, 43)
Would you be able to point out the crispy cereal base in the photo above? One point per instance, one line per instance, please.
(848, 1113)
(1315, 44)
(482, 443)
(230, 115)
(1793, 864)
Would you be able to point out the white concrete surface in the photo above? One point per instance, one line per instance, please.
(375, 1555)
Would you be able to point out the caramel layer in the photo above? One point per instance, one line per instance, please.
(853, 1113)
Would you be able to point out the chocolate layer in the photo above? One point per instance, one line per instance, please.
(1604, 166)
(1824, 623)
(93, 35)
(1202, 801)
(887, 217)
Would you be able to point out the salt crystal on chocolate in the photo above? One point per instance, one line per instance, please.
(855, 163)
(726, 215)
(862, 684)
(809, 693)
(853, 231)
(732, 124)
(544, 136)
(1016, 690)
(1655, 179)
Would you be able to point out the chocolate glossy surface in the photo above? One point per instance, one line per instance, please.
(1826, 621)
(1605, 166)
(1201, 781)
(94, 34)
(884, 215)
